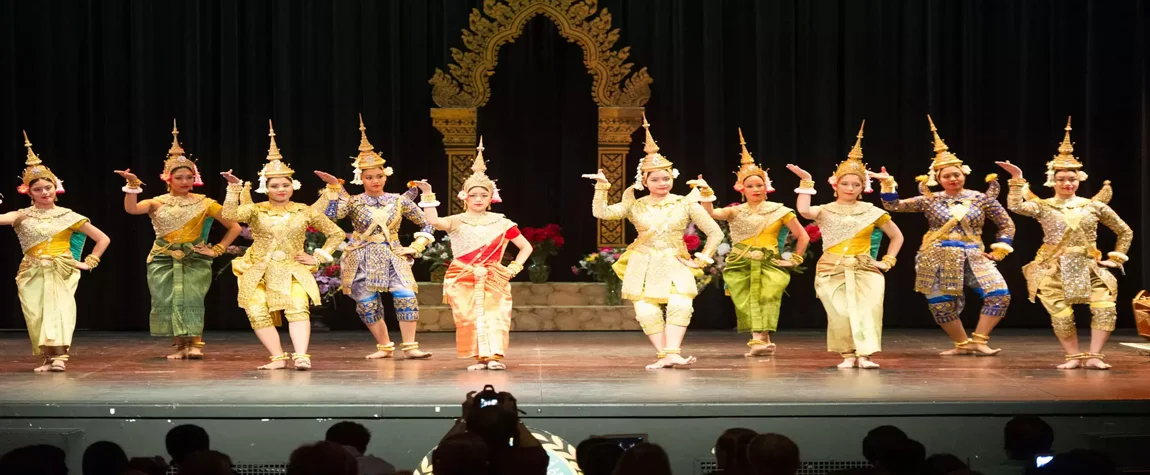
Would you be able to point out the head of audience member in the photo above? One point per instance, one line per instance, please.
(461, 454)
(1025, 437)
(497, 426)
(942, 464)
(205, 462)
(643, 459)
(731, 451)
(39, 459)
(350, 434)
(773, 454)
(104, 458)
(322, 458)
(598, 456)
(185, 439)
(882, 443)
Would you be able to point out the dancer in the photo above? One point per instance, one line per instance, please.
(477, 285)
(952, 252)
(756, 275)
(848, 279)
(47, 279)
(375, 262)
(275, 274)
(180, 262)
(657, 269)
(1068, 268)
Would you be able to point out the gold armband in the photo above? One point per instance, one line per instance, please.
(889, 260)
(218, 249)
(92, 261)
(796, 259)
(428, 197)
(514, 268)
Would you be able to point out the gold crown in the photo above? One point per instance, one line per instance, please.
(854, 165)
(478, 173)
(176, 156)
(1065, 160)
(275, 167)
(942, 156)
(747, 166)
(35, 169)
(367, 157)
(653, 161)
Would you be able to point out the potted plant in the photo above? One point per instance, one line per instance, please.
(598, 266)
(438, 255)
(546, 242)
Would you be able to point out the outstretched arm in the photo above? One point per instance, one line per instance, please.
(333, 199)
(238, 203)
(133, 188)
(429, 204)
(805, 190)
(10, 218)
(889, 196)
(599, 207)
(709, 227)
(707, 200)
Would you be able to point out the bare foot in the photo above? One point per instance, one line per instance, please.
(477, 367)
(1096, 363)
(1071, 364)
(761, 350)
(379, 355)
(279, 364)
(866, 363)
(302, 363)
(659, 364)
(958, 351)
(981, 349)
(848, 363)
(44, 368)
(58, 366)
(416, 354)
(180, 354)
(673, 360)
(496, 366)
(195, 353)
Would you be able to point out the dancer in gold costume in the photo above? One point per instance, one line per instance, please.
(756, 275)
(848, 279)
(275, 274)
(657, 269)
(952, 255)
(180, 262)
(477, 285)
(1069, 268)
(52, 239)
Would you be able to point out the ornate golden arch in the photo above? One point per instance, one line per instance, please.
(619, 93)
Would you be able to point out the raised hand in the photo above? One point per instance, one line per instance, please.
(423, 185)
(230, 178)
(127, 174)
(881, 175)
(1010, 168)
(802, 174)
(599, 177)
(327, 177)
(699, 183)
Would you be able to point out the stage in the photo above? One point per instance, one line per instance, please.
(576, 384)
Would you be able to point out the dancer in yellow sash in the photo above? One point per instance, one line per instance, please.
(848, 278)
(1069, 268)
(47, 279)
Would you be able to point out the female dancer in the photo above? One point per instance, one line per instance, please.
(756, 275)
(1069, 268)
(47, 279)
(477, 285)
(275, 274)
(375, 261)
(848, 279)
(952, 252)
(180, 262)
(657, 269)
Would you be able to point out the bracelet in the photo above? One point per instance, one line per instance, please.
(134, 186)
(218, 249)
(1016, 181)
(515, 268)
(602, 186)
(706, 192)
(889, 260)
(92, 261)
(806, 187)
(134, 191)
(335, 186)
(1118, 257)
(427, 197)
(806, 183)
(236, 186)
(796, 259)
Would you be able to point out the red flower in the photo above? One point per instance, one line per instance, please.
(558, 241)
(312, 229)
(814, 232)
(331, 271)
(692, 241)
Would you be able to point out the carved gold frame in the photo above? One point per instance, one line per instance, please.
(619, 93)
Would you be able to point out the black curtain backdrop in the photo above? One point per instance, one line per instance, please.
(96, 84)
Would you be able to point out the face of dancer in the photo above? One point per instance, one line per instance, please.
(849, 188)
(478, 199)
(1066, 183)
(182, 180)
(43, 192)
(952, 179)
(659, 182)
(373, 181)
(755, 189)
(279, 190)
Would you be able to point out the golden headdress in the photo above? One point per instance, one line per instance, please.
(479, 177)
(275, 167)
(35, 169)
(177, 159)
(1065, 160)
(748, 168)
(854, 165)
(942, 157)
(367, 157)
(653, 161)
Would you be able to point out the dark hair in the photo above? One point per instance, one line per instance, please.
(643, 459)
(1023, 437)
(205, 462)
(104, 458)
(773, 453)
(322, 458)
(185, 439)
(882, 442)
(731, 450)
(597, 456)
(350, 434)
(172, 172)
(460, 454)
(942, 464)
(288, 178)
(33, 182)
(41, 459)
(496, 425)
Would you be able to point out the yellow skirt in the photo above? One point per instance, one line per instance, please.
(47, 290)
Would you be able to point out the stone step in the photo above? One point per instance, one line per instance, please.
(435, 318)
(527, 293)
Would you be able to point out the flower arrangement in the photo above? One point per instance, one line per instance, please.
(547, 241)
(711, 272)
(598, 266)
(438, 255)
(327, 276)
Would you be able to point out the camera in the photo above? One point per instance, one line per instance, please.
(489, 397)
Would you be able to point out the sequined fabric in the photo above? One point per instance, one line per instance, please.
(746, 223)
(177, 211)
(38, 226)
(838, 222)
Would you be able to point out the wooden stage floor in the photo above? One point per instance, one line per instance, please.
(571, 374)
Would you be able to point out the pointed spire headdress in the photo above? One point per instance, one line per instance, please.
(368, 158)
(854, 165)
(1065, 160)
(942, 157)
(177, 158)
(275, 167)
(35, 169)
(479, 177)
(748, 168)
(653, 161)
